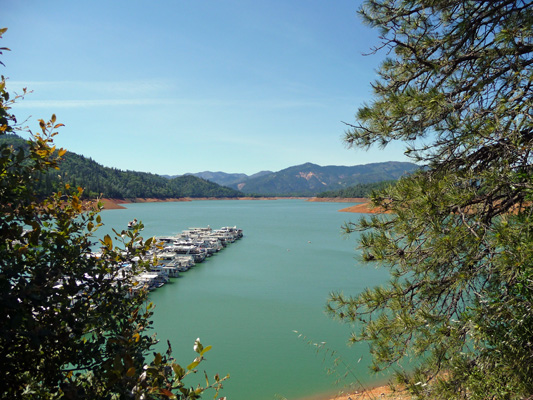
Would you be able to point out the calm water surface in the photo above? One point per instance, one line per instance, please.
(248, 300)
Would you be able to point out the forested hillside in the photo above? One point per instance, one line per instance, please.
(311, 179)
(359, 190)
(225, 179)
(98, 180)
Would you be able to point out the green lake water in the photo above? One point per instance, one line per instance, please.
(248, 300)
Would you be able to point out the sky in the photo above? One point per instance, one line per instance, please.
(178, 86)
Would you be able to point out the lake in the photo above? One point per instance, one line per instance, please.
(260, 302)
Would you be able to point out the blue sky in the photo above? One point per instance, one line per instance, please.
(176, 86)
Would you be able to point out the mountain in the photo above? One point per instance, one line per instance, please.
(358, 190)
(301, 180)
(310, 179)
(223, 178)
(98, 180)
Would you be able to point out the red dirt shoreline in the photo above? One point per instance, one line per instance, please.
(374, 393)
(115, 204)
(362, 207)
(340, 200)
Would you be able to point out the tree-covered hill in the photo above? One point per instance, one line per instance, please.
(359, 190)
(310, 179)
(225, 179)
(98, 180)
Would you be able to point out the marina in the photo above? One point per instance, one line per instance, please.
(248, 300)
(180, 253)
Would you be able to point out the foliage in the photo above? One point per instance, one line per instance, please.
(457, 89)
(74, 325)
(99, 181)
(359, 190)
(303, 180)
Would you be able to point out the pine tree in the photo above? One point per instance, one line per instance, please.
(457, 89)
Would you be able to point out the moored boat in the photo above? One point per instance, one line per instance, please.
(181, 252)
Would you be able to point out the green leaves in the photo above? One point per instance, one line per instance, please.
(194, 364)
(199, 348)
(458, 240)
(179, 371)
(2, 31)
(73, 323)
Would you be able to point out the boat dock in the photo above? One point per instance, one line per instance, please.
(179, 253)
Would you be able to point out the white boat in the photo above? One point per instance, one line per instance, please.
(151, 280)
(181, 252)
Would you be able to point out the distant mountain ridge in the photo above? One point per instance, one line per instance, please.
(100, 181)
(220, 178)
(225, 179)
(301, 180)
(310, 179)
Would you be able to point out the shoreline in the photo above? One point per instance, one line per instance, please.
(382, 391)
(116, 204)
(361, 207)
(339, 199)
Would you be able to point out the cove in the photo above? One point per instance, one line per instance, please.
(260, 302)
